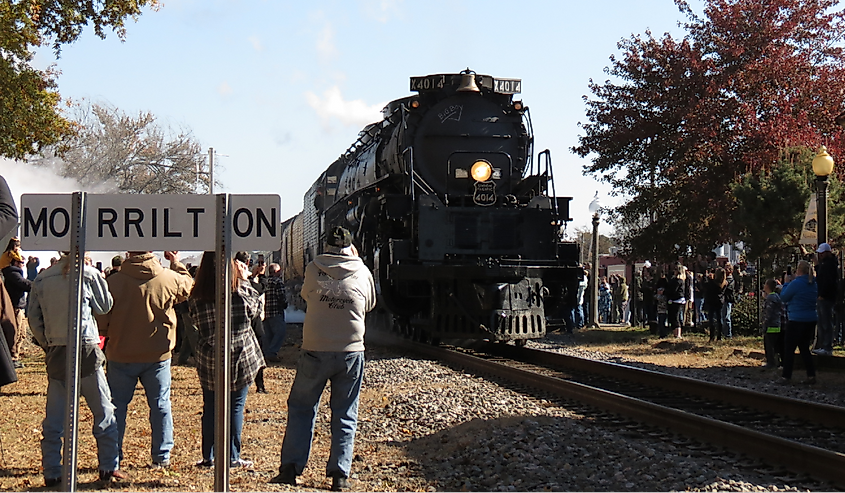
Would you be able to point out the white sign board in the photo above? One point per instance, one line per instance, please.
(116, 222)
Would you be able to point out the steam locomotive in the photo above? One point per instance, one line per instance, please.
(460, 226)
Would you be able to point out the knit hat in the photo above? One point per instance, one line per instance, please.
(16, 256)
(339, 237)
(243, 257)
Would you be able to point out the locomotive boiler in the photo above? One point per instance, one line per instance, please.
(459, 224)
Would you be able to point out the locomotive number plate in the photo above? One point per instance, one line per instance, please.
(485, 193)
(507, 86)
(428, 83)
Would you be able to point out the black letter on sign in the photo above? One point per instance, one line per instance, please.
(196, 213)
(271, 224)
(29, 222)
(136, 221)
(242, 234)
(107, 222)
(53, 231)
(155, 222)
(167, 232)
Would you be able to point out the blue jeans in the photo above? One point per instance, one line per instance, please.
(274, 335)
(727, 327)
(824, 339)
(237, 403)
(155, 377)
(96, 392)
(345, 370)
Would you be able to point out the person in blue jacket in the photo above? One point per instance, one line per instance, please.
(800, 297)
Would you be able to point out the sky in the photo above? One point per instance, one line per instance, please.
(280, 89)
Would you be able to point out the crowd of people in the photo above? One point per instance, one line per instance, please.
(798, 309)
(135, 312)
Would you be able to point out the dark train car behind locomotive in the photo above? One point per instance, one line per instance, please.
(461, 227)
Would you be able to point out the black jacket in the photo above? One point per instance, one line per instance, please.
(675, 289)
(17, 285)
(827, 273)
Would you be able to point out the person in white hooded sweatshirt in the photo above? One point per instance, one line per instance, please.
(339, 291)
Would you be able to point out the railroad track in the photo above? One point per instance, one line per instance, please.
(801, 436)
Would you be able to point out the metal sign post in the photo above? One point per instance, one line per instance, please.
(222, 341)
(77, 257)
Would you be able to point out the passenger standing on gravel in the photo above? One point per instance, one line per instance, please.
(771, 325)
(339, 290)
(141, 328)
(246, 357)
(800, 297)
(48, 318)
(275, 302)
(827, 276)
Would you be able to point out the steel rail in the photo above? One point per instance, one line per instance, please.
(824, 414)
(797, 457)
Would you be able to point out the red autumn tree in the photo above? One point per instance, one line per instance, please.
(681, 121)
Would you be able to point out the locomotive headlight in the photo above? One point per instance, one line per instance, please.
(481, 170)
(415, 104)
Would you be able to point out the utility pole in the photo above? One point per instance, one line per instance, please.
(211, 171)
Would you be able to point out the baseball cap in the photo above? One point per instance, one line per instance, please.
(824, 247)
(339, 237)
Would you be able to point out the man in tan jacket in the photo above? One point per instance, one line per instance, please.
(141, 331)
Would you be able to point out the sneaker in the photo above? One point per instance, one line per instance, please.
(287, 475)
(262, 390)
(51, 482)
(783, 381)
(116, 475)
(339, 482)
(18, 364)
(205, 463)
(161, 464)
(273, 359)
(810, 380)
(822, 352)
(246, 464)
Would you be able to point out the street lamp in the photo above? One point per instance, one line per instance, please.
(595, 207)
(822, 167)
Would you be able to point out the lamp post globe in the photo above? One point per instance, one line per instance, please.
(822, 167)
(595, 208)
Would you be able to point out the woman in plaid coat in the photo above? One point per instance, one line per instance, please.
(246, 358)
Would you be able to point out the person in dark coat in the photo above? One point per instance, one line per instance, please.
(827, 277)
(8, 321)
(18, 286)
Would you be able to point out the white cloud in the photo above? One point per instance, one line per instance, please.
(332, 106)
(325, 42)
(256, 43)
(382, 10)
(224, 89)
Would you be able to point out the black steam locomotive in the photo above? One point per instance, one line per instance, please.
(461, 228)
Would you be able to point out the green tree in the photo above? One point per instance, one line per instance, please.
(680, 121)
(131, 154)
(30, 113)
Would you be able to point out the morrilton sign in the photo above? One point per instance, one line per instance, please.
(120, 222)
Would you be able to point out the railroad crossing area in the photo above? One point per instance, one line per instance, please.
(433, 423)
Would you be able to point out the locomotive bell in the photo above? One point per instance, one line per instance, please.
(468, 82)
